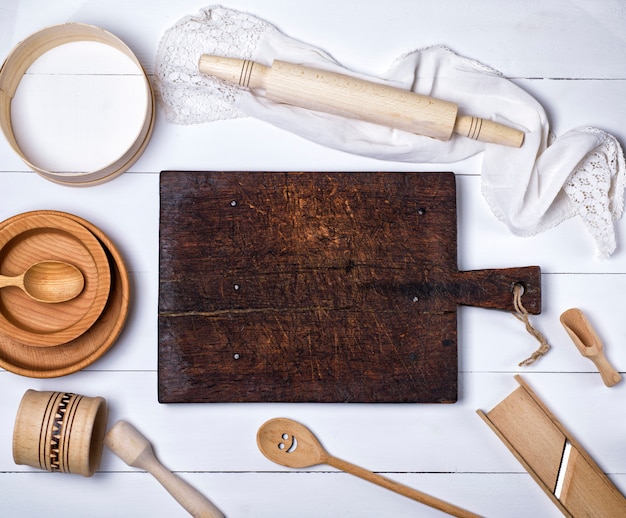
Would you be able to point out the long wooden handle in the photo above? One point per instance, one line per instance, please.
(401, 489)
(339, 94)
(134, 449)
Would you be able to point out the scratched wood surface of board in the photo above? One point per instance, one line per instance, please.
(325, 287)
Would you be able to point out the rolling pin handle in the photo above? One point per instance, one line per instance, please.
(485, 130)
(242, 72)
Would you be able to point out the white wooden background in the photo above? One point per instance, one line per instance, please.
(570, 54)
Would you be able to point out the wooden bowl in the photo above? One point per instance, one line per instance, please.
(31, 237)
(50, 362)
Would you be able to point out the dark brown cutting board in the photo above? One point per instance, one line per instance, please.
(316, 287)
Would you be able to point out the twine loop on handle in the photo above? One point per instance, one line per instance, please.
(522, 315)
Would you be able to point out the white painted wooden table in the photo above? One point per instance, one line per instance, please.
(570, 54)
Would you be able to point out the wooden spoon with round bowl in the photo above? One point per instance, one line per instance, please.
(48, 281)
(291, 444)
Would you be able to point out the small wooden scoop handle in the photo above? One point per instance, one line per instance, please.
(347, 96)
(609, 375)
(396, 487)
(135, 450)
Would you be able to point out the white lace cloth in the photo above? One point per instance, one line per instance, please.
(530, 189)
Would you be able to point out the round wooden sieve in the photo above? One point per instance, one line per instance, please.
(25, 53)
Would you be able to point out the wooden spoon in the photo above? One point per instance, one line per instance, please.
(291, 444)
(48, 281)
(589, 344)
(135, 450)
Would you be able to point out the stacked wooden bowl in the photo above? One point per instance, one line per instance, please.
(45, 340)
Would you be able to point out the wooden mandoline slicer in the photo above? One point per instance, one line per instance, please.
(559, 464)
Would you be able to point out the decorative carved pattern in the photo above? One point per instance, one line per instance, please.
(61, 429)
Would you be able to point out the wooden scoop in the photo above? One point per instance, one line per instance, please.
(48, 281)
(135, 450)
(589, 344)
(291, 444)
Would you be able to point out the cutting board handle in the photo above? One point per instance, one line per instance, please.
(493, 288)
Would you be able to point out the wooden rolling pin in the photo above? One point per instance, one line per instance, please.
(347, 96)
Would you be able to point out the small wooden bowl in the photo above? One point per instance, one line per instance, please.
(51, 362)
(31, 237)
